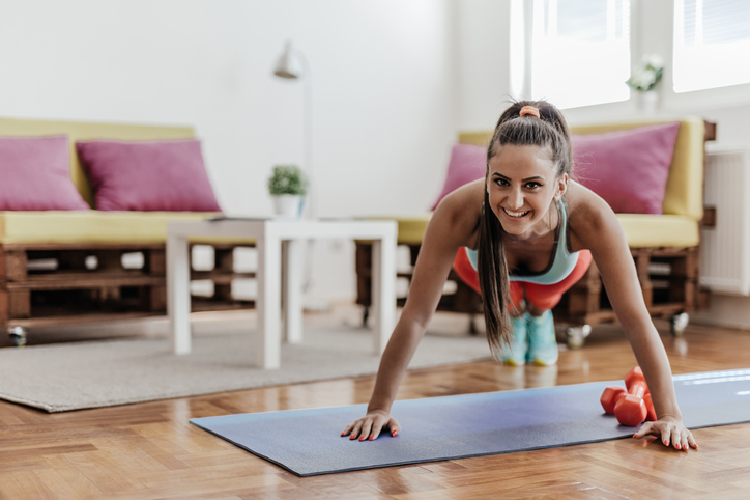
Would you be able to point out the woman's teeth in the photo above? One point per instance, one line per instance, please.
(517, 215)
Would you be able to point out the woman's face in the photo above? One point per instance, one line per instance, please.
(522, 184)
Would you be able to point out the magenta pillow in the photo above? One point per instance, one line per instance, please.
(34, 175)
(627, 168)
(158, 176)
(468, 163)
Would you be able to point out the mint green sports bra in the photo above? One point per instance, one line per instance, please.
(562, 264)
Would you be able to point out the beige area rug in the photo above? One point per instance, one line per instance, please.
(92, 374)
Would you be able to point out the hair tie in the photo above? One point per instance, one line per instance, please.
(529, 110)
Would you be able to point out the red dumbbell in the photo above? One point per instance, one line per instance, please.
(612, 395)
(631, 409)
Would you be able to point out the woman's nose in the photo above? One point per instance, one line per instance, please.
(515, 199)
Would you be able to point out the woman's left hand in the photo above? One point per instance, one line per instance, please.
(669, 430)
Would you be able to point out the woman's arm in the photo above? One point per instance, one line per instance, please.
(594, 226)
(451, 227)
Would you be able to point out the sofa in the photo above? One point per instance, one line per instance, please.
(661, 210)
(80, 263)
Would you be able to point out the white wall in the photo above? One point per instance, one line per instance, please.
(382, 91)
(483, 69)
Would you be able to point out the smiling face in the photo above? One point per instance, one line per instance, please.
(522, 184)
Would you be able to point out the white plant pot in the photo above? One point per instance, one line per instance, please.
(649, 101)
(288, 206)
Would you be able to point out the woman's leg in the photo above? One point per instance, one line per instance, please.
(540, 299)
(515, 353)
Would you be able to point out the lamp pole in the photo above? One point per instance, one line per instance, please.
(293, 65)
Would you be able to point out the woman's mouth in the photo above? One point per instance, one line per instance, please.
(515, 215)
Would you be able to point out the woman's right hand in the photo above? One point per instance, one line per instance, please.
(368, 428)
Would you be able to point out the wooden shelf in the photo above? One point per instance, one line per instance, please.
(84, 280)
(109, 279)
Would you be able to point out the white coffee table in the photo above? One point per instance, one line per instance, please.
(278, 243)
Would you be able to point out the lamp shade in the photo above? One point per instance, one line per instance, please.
(289, 64)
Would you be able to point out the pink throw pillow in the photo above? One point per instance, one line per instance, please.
(627, 168)
(468, 163)
(158, 176)
(35, 175)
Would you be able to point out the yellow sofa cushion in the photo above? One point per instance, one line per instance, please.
(683, 194)
(654, 231)
(76, 131)
(92, 227)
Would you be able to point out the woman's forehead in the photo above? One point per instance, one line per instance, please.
(511, 157)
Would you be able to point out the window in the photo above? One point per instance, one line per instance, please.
(580, 51)
(711, 44)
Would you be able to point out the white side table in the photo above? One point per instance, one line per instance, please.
(270, 236)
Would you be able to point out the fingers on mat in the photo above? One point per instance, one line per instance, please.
(355, 430)
(365, 431)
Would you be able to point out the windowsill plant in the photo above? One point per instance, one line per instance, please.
(645, 77)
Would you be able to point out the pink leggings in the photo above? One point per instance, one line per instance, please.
(540, 296)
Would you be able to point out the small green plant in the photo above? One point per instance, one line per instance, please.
(287, 179)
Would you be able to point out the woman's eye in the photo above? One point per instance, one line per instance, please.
(533, 185)
(501, 182)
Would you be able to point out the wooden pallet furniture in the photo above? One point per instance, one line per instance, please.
(69, 267)
(667, 260)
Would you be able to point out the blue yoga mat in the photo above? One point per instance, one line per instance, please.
(308, 442)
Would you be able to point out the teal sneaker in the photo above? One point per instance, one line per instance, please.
(515, 353)
(542, 343)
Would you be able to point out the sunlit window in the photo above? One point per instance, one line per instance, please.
(711, 44)
(580, 51)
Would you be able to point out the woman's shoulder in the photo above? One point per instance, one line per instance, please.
(584, 204)
(465, 201)
(588, 215)
(461, 209)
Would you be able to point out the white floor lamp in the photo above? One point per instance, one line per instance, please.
(293, 65)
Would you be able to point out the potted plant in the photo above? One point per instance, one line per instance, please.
(644, 79)
(288, 187)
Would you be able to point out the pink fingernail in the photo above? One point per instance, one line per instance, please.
(394, 433)
(666, 443)
(351, 437)
(362, 438)
(372, 437)
(679, 447)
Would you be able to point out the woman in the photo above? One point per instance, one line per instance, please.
(530, 223)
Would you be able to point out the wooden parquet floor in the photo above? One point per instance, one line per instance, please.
(150, 451)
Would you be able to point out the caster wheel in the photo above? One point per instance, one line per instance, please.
(473, 329)
(576, 336)
(678, 324)
(17, 336)
(365, 316)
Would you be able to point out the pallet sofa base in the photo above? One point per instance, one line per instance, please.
(53, 284)
(668, 278)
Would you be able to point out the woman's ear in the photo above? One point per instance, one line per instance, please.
(562, 185)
